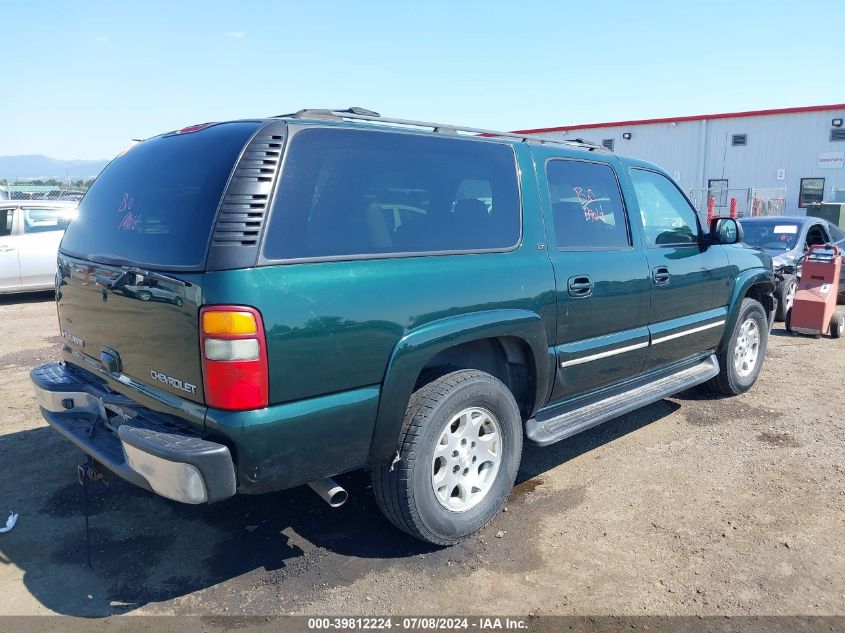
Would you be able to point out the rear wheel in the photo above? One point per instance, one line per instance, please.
(459, 453)
(145, 295)
(742, 359)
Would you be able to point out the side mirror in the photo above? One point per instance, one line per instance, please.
(726, 231)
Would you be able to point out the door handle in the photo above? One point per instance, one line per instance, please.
(580, 286)
(6, 249)
(661, 276)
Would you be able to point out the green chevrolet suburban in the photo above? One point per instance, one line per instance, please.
(254, 305)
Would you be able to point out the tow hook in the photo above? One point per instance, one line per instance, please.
(89, 470)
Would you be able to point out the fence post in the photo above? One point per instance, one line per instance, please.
(711, 209)
(733, 208)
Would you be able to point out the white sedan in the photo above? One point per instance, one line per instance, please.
(30, 232)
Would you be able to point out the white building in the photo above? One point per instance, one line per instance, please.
(771, 161)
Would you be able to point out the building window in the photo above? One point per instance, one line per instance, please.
(608, 143)
(739, 139)
(812, 191)
(719, 190)
(837, 134)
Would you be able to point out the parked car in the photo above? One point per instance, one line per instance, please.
(30, 233)
(787, 239)
(538, 289)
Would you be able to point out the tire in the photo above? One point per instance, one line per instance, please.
(738, 371)
(144, 295)
(837, 325)
(409, 491)
(787, 297)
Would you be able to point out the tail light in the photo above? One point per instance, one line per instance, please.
(234, 358)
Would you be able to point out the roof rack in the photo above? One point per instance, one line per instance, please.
(362, 114)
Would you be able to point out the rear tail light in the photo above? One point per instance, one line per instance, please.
(234, 358)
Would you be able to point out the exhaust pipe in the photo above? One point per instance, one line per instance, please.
(330, 491)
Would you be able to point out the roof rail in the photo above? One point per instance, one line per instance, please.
(362, 114)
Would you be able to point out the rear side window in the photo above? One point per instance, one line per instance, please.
(587, 209)
(351, 192)
(37, 220)
(155, 204)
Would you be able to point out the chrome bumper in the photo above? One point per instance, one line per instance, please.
(134, 443)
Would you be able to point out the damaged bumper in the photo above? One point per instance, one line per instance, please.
(132, 442)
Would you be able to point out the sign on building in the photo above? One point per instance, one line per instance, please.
(831, 160)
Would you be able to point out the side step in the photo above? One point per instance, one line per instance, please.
(548, 430)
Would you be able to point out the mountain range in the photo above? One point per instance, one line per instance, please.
(37, 166)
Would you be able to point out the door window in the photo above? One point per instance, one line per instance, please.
(6, 217)
(668, 219)
(816, 235)
(587, 209)
(37, 220)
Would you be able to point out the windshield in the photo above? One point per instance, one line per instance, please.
(771, 236)
(154, 205)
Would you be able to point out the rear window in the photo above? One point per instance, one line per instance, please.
(154, 205)
(351, 192)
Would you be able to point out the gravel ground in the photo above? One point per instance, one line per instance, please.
(694, 505)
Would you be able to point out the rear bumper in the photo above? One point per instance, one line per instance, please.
(134, 443)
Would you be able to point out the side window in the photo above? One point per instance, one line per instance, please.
(42, 220)
(836, 234)
(667, 216)
(816, 235)
(6, 217)
(350, 192)
(587, 209)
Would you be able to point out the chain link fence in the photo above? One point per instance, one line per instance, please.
(44, 190)
(745, 203)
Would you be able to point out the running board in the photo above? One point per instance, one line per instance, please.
(548, 430)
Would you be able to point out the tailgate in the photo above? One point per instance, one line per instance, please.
(139, 324)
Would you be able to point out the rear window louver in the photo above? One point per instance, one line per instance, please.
(243, 210)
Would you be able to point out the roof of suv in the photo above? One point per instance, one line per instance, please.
(362, 115)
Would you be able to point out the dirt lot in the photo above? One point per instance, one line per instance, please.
(693, 505)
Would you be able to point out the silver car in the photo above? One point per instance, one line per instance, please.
(787, 239)
(30, 232)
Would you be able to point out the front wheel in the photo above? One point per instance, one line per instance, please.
(458, 457)
(787, 297)
(742, 359)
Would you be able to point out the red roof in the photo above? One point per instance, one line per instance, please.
(679, 119)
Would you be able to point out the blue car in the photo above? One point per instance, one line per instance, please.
(787, 239)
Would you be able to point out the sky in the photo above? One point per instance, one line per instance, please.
(82, 78)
